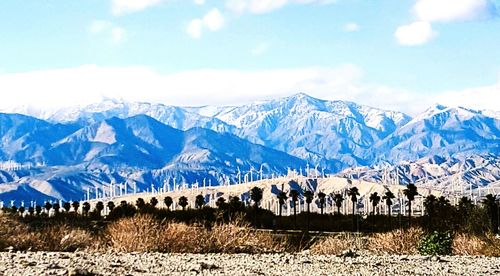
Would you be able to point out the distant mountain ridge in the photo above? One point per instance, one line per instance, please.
(82, 147)
(138, 147)
(333, 134)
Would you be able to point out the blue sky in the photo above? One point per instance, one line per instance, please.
(403, 54)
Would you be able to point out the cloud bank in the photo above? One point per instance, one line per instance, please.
(88, 84)
(428, 12)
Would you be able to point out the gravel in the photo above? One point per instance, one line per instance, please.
(50, 263)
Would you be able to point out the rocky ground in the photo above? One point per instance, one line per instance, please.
(42, 263)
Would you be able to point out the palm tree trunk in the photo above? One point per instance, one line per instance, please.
(409, 213)
(281, 207)
(321, 209)
(338, 210)
(295, 213)
(308, 214)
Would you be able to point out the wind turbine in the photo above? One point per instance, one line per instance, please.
(261, 167)
(251, 173)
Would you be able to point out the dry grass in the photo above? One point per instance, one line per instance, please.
(138, 233)
(468, 245)
(336, 245)
(144, 234)
(491, 247)
(400, 242)
(58, 237)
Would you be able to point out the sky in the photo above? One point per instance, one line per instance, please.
(394, 54)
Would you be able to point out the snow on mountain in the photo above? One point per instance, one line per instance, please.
(443, 131)
(147, 143)
(451, 174)
(139, 149)
(313, 129)
(334, 134)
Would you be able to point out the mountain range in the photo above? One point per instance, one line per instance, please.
(144, 143)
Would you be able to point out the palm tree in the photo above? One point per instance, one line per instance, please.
(183, 202)
(256, 194)
(140, 203)
(309, 196)
(430, 203)
(153, 201)
(491, 204)
(375, 200)
(38, 210)
(221, 202)
(388, 197)
(199, 201)
(98, 208)
(56, 208)
(75, 205)
(282, 197)
(235, 203)
(322, 200)
(111, 206)
(67, 206)
(48, 206)
(294, 194)
(410, 192)
(85, 208)
(168, 202)
(21, 210)
(465, 207)
(353, 192)
(338, 199)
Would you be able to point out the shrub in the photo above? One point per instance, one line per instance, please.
(397, 241)
(52, 237)
(468, 245)
(436, 243)
(144, 233)
(336, 245)
(492, 245)
(135, 234)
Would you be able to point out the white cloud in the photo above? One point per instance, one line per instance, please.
(260, 49)
(351, 27)
(121, 7)
(486, 97)
(212, 21)
(451, 10)
(416, 33)
(194, 28)
(429, 11)
(266, 6)
(88, 84)
(116, 33)
(199, 2)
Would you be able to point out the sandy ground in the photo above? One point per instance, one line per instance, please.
(42, 263)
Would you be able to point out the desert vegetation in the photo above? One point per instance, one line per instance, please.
(232, 227)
